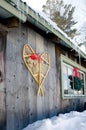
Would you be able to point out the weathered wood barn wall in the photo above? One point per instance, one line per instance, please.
(19, 105)
(22, 104)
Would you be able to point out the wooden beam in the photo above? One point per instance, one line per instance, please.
(12, 22)
(54, 39)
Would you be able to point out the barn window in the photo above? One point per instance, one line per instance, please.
(72, 79)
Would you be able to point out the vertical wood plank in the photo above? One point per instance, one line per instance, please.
(2, 84)
(32, 84)
(40, 99)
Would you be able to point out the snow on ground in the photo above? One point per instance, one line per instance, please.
(69, 121)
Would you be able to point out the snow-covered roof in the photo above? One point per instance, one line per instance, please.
(41, 21)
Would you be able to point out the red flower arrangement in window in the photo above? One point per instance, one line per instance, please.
(75, 80)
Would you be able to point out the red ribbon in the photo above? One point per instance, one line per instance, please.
(35, 56)
(76, 72)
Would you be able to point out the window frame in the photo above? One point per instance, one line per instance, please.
(68, 61)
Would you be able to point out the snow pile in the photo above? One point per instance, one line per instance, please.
(69, 121)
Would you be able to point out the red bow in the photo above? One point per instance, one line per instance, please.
(76, 72)
(35, 56)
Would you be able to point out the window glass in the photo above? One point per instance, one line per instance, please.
(73, 79)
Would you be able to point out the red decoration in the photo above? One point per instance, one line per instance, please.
(76, 72)
(39, 58)
(35, 56)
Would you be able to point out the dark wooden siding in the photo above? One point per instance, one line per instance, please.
(67, 105)
(2, 83)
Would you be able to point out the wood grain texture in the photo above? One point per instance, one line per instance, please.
(22, 105)
(2, 85)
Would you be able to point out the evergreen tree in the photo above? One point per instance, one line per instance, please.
(62, 15)
(81, 39)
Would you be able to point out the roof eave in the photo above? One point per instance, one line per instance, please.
(11, 9)
(39, 21)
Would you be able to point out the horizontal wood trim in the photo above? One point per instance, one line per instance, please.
(70, 62)
(12, 22)
(11, 9)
